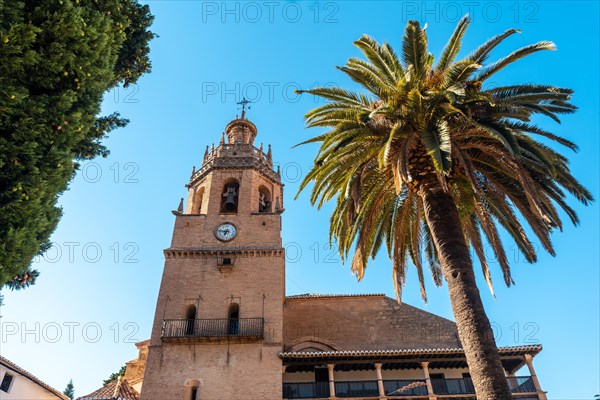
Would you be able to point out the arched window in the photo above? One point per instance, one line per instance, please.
(264, 200)
(190, 323)
(230, 196)
(192, 390)
(198, 199)
(233, 319)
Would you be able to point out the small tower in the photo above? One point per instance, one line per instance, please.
(218, 324)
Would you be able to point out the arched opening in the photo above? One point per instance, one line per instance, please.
(190, 323)
(192, 389)
(264, 200)
(309, 345)
(198, 200)
(230, 196)
(233, 316)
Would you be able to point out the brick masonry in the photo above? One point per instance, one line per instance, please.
(256, 282)
(373, 322)
(191, 278)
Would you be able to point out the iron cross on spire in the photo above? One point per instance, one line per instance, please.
(244, 103)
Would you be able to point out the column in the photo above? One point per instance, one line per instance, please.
(425, 366)
(331, 381)
(380, 381)
(536, 382)
(509, 378)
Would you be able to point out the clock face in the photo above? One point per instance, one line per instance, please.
(226, 232)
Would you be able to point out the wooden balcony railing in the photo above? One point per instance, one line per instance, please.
(215, 329)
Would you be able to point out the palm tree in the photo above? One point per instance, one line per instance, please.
(428, 162)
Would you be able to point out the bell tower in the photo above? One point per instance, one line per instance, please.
(217, 329)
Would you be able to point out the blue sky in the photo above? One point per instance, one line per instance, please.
(97, 292)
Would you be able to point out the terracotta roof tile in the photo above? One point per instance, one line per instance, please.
(12, 366)
(329, 296)
(361, 353)
(118, 389)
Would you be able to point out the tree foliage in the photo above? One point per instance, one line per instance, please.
(115, 375)
(57, 59)
(23, 281)
(70, 390)
(427, 159)
(418, 116)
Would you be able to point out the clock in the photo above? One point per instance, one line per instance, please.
(226, 232)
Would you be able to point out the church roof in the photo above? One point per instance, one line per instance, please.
(119, 389)
(347, 322)
(330, 296)
(12, 366)
(451, 357)
(509, 350)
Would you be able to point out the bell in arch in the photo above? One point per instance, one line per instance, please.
(230, 197)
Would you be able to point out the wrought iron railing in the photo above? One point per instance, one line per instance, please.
(369, 389)
(356, 389)
(213, 328)
(391, 387)
(521, 384)
(306, 390)
(453, 386)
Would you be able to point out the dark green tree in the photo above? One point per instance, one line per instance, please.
(22, 281)
(57, 59)
(114, 376)
(70, 390)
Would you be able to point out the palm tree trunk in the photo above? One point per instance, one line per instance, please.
(474, 328)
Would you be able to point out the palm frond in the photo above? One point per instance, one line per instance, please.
(414, 50)
(439, 146)
(453, 46)
(512, 57)
(480, 54)
(413, 124)
(381, 59)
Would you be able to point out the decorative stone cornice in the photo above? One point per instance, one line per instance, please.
(208, 251)
(331, 296)
(236, 156)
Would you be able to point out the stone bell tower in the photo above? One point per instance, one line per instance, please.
(218, 324)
